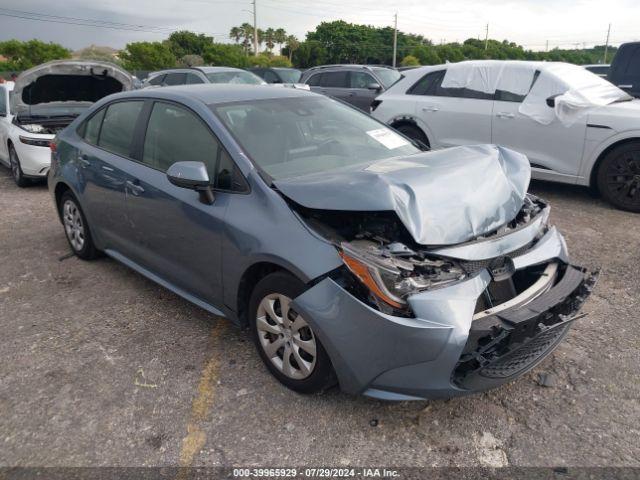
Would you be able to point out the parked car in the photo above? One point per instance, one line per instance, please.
(601, 70)
(43, 101)
(625, 68)
(348, 252)
(574, 126)
(197, 75)
(355, 84)
(277, 74)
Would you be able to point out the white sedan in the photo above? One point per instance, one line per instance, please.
(44, 100)
(574, 126)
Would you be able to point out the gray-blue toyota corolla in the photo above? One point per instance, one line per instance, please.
(353, 256)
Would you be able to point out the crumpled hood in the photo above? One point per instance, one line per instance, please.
(442, 197)
(68, 81)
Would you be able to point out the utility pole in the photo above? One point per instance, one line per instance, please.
(395, 38)
(486, 38)
(547, 47)
(255, 29)
(606, 46)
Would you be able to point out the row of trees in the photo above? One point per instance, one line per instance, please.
(330, 42)
(342, 42)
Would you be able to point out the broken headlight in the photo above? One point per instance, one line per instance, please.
(393, 272)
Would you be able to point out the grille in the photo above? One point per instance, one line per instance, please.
(473, 266)
(523, 357)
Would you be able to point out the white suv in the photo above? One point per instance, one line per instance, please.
(574, 126)
(43, 101)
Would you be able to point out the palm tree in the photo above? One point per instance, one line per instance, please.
(270, 38)
(292, 45)
(247, 36)
(236, 34)
(260, 37)
(280, 37)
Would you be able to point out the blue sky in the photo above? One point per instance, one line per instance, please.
(563, 23)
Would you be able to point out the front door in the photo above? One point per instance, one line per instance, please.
(177, 236)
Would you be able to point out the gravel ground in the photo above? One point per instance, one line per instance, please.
(101, 367)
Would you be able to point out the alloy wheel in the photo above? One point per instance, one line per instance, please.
(73, 225)
(285, 337)
(623, 178)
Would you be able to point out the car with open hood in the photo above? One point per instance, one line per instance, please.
(42, 101)
(574, 126)
(352, 255)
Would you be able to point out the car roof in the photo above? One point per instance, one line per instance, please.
(219, 93)
(206, 69)
(203, 69)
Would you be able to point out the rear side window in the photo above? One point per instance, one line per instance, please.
(314, 80)
(3, 100)
(116, 134)
(633, 65)
(193, 79)
(92, 127)
(335, 80)
(157, 80)
(175, 79)
(426, 85)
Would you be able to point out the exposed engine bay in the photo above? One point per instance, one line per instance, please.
(380, 252)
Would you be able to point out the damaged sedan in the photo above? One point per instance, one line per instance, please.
(351, 255)
(44, 100)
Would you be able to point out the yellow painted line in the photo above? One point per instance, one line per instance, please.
(195, 439)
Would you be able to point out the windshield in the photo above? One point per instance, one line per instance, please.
(289, 75)
(241, 77)
(290, 137)
(387, 76)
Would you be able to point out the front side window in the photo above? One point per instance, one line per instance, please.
(440, 91)
(175, 134)
(314, 80)
(387, 76)
(193, 79)
(361, 80)
(271, 77)
(157, 80)
(289, 137)
(116, 134)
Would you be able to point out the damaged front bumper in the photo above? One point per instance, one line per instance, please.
(446, 350)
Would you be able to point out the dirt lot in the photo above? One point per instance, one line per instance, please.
(100, 366)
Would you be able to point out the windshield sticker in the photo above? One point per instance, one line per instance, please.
(387, 138)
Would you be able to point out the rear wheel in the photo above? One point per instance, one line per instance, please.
(76, 228)
(414, 133)
(285, 341)
(16, 169)
(619, 177)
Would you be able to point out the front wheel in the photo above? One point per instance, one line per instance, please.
(619, 177)
(414, 133)
(285, 341)
(16, 169)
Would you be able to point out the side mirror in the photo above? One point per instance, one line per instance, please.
(194, 176)
(551, 101)
(374, 86)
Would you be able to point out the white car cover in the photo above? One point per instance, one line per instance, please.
(574, 88)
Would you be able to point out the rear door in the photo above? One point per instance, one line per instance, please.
(103, 157)
(453, 116)
(177, 237)
(336, 84)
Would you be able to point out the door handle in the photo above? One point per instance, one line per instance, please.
(106, 169)
(625, 86)
(430, 109)
(135, 187)
(83, 159)
(506, 115)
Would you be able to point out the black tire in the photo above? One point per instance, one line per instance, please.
(322, 375)
(87, 250)
(16, 169)
(414, 133)
(618, 177)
